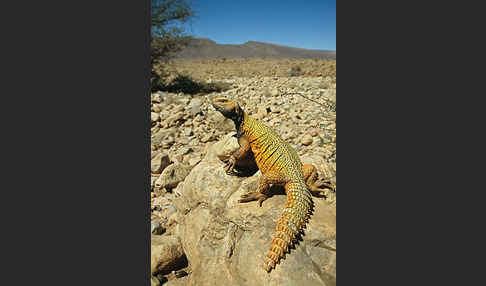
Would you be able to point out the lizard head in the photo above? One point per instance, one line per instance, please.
(229, 108)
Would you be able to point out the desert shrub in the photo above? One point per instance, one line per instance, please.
(295, 71)
(327, 83)
(186, 84)
(168, 37)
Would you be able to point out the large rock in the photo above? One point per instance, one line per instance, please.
(166, 254)
(172, 176)
(225, 242)
(223, 148)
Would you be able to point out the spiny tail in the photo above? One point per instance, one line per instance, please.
(293, 221)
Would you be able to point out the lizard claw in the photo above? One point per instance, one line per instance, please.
(253, 196)
(231, 172)
(261, 199)
(230, 166)
(322, 184)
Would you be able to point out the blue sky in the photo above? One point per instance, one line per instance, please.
(301, 24)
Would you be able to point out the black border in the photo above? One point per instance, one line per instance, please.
(408, 132)
(77, 115)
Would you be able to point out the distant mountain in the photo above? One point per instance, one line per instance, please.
(203, 48)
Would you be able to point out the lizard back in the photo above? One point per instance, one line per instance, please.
(281, 165)
(272, 153)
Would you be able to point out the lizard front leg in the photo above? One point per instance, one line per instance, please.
(240, 154)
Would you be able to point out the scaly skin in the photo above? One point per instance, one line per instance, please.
(280, 165)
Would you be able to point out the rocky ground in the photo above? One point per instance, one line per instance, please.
(237, 68)
(200, 235)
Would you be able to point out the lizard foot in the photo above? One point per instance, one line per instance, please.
(253, 196)
(232, 172)
(321, 185)
(229, 166)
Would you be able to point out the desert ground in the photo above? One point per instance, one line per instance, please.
(197, 226)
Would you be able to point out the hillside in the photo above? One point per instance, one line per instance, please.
(202, 48)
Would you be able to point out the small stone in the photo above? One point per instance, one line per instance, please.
(199, 118)
(178, 108)
(172, 175)
(164, 124)
(188, 131)
(185, 150)
(172, 215)
(153, 154)
(194, 161)
(154, 129)
(156, 108)
(156, 97)
(274, 92)
(154, 281)
(159, 162)
(195, 106)
(177, 158)
(158, 137)
(274, 108)
(175, 118)
(306, 140)
(156, 228)
(261, 112)
(185, 100)
(168, 142)
(158, 190)
(206, 138)
(183, 140)
(152, 181)
(154, 116)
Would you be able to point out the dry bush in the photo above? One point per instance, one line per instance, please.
(295, 71)
(186, 84)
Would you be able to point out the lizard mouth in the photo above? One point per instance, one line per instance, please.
(222, 105)
(218, 108)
